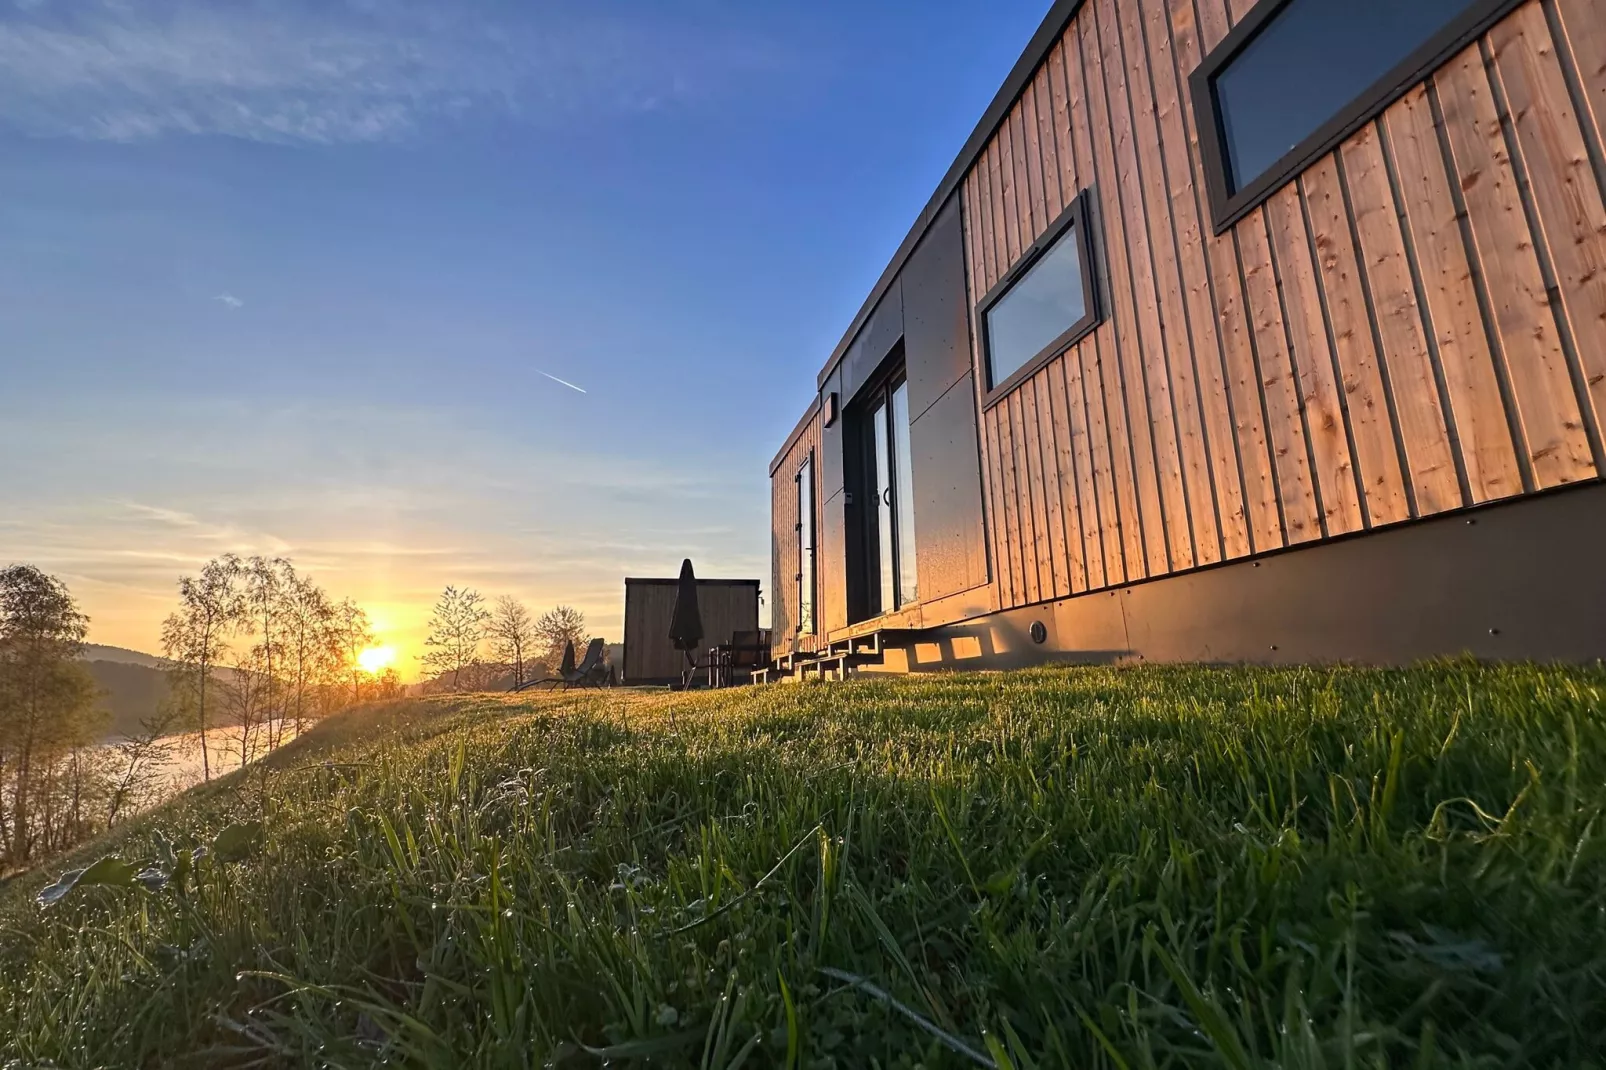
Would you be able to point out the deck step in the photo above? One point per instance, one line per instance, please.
(838, 666)
(839, 658)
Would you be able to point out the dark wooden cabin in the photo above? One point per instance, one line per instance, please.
(725, 606)
(1239, 330)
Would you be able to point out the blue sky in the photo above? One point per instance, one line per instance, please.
(285, 277)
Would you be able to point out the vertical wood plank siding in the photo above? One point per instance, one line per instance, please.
(1415, 324)
(726, 608)
(783, 591)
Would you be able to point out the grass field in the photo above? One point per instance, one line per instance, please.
(1088, 867)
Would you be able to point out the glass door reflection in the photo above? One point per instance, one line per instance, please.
(889, 524)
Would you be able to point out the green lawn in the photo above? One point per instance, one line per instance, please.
(1081, 867)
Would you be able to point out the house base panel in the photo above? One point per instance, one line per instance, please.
(1521, 580)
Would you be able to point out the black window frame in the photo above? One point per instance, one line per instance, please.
(1228, 208)
(807, 468)
(1080, 215)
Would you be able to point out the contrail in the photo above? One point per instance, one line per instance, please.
(565, 382)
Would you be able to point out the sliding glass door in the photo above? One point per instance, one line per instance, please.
(805, 547)
(891, 518)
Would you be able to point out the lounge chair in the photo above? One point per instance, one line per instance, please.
(591, 672)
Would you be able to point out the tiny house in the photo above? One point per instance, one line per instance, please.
(726, 607)
(1239, 330)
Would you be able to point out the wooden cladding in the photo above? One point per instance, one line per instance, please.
(726, 607)
(1415, 324)
(784, 540)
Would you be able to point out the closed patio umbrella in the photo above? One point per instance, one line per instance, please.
(686, 622)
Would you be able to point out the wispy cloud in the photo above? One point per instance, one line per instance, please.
(230, 300)
(564, 382)
(172, 517)
(359, 70)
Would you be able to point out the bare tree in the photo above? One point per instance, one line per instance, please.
(352, 635)
(195, 638)
(46, 695)
(556, 629)
(144, 757)
(245, 694)
(456, 630)
(512, 635)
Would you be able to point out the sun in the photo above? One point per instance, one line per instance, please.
(376, 659)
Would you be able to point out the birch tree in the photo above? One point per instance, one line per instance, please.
(456, 629)
(195, 638)
(264, 584)
(512, 632)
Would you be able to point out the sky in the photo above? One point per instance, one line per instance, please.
(517, 296)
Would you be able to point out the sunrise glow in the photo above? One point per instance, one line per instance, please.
(376, 659)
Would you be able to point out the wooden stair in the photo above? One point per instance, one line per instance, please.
(839, 658)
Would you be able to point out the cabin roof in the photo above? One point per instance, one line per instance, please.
(673, 580)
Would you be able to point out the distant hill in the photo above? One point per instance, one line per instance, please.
(122, 656)
(132, 691)
(133, 683)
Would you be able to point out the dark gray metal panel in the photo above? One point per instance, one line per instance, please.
(852, 372)
(950, 539)
(1526, 579)
(1521, 580)
(869, 350)
(885, 326)
(936, 311)
(833, 577)
(831, 479)
(1092, 632)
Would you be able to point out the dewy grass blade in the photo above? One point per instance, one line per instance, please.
(1206, 1011)
(874, 991)
(726, 908)
(794, 1041)
(646, 1047)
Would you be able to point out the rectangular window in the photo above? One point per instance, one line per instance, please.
(1296, 77)
(805, 547)
(1042, 305)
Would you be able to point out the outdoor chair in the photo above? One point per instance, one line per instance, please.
(746, 652)
(591, 672)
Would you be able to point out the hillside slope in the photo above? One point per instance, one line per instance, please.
(1093, 867)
